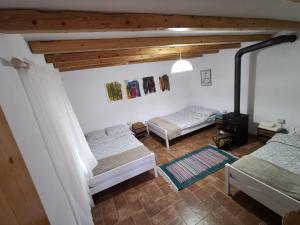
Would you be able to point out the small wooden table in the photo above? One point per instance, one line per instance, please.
(219, 123)
(139, 129)
(265, 135)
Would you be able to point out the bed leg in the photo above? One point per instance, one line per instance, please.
(154, 171)
(92, 201)
(154, 167)
(227, 184)
(167, 140)
(167, 143)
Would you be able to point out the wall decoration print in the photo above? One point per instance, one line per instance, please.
(164, 83)
(205, 78)
(132, 88)
(114, 91)
(149, 85)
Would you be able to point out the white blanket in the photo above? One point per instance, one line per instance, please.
(271, 174)
(276, 164)
(112, 145)
(283, 150)
(190, 116)
(173, 131)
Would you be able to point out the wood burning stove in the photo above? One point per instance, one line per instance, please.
(237, 126)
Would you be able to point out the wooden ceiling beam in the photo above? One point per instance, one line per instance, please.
(67, 46)
(56, 58)
(30, 21)
(78, 66)
(130, 58)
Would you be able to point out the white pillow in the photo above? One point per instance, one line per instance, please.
(95, 135)
(117, 130)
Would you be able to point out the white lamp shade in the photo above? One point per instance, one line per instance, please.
(181, 66)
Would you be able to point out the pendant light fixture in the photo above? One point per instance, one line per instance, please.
(181, 65)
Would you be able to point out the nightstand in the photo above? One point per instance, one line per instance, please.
(219, 123)
(291, 218)
(139, 129)
(264, 134)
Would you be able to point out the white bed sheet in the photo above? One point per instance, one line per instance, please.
(198, 126)
(282, 150)
(190, 117)
(113, 145)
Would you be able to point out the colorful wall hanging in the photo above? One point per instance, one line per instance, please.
(164, 83)
(114, 91)
(149, 85)
(132, 88)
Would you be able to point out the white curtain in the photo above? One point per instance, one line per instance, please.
(67, 148)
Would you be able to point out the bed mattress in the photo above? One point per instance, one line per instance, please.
(190, 117)
(198, 126)
(120, 159)
(282, 150)
(276, 164)
(112, 145)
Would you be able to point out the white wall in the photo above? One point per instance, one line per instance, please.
(18, 112)
(270, 84)
(86, 89)
(269, 93)
(277, 86)
(221, 94)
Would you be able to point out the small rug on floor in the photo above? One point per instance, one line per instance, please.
(194, 166)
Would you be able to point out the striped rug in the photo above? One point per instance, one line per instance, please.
(194, 166)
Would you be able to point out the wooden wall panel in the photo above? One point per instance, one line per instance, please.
(19, 201)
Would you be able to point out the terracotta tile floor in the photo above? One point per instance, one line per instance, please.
(145, 200)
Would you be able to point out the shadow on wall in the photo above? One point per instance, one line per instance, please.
(251, 91)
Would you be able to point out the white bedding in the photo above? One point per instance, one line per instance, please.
(283, 150)
(106, 146)
(198, 126)
(190, 116)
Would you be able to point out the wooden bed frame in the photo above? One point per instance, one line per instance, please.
(161, 132)
(119, 174)
(263, 193)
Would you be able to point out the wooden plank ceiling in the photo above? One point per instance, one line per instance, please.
(30, 21)
(68, 55)
(75, 54)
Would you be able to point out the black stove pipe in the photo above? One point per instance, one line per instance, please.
(237, 71)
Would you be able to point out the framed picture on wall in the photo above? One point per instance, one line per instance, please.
(114, 91)
(132, 88)
(205, 78)
(149, 85)
(164, 83)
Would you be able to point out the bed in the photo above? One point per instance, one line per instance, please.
(271, 174)
(180, 123)
(120, 156)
